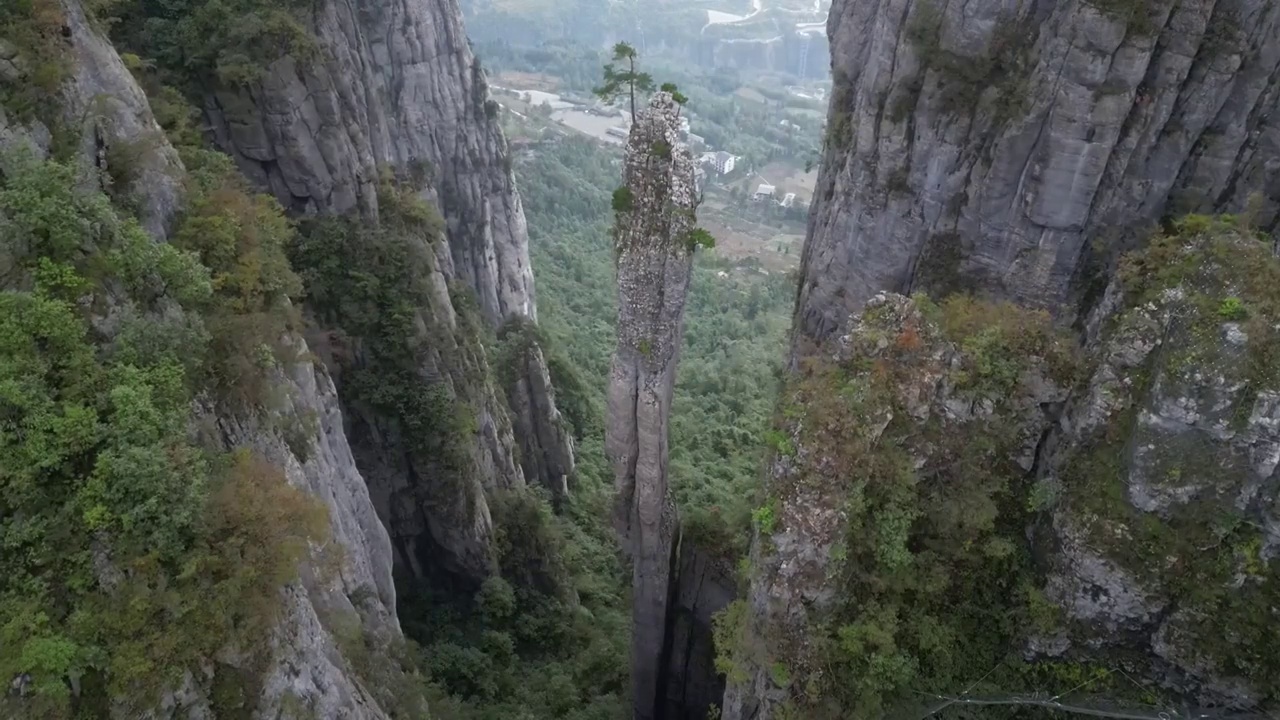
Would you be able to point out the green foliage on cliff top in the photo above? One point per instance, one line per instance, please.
(930, 568)
(34, 30)
(197, 41)
(132, 552)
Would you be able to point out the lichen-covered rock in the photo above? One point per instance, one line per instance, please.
(1162, 480)
(1009, 149)
(99, 116)
(1128, 522)
(887, 500)
(655, 216)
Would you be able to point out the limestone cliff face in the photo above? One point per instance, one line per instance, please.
(1011, 149)
(394, 88)
(952, 491)
(655, 216)
(1017, 152)
(394, 84)
(311, 671)
(328, 615)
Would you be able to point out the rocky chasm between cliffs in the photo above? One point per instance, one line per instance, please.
(380, 405)
(1052, 464)
(396, 88)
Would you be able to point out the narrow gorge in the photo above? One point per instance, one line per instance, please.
(284, 434)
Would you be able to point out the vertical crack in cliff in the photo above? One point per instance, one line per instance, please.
(653, 243)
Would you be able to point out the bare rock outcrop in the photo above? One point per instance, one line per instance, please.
(1015, 149)
(652, 237)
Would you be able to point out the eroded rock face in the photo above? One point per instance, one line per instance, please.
(546, 441)
(1163, 473)
(655, 258)
(103, 114)
(326, 609)
(896, 420)
(309, 672)
(395, 85)
(395, 88)
(1140, 488)
(993, 147)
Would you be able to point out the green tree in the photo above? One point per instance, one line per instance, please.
(616, 81)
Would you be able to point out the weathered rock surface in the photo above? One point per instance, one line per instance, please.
(101, 109)
(1163, 474)
(395, 87)
(1016, 152)
(324, 610)
(1013, 149)
(895, 384)
(546, 441)
(1146, 505)
(655, 259)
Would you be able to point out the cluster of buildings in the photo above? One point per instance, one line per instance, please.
(718, 163)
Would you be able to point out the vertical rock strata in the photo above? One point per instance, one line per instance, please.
(101, 108)
(994, 147)
(394, 88)
(1017, 152)
(655, 215)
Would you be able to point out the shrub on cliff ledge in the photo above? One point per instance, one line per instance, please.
(195, 41)
(132, 553)
(928, 541)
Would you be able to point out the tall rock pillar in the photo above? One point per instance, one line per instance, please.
(653, 245)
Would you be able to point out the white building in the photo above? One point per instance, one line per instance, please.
(788, 200)
(763, 191)
(722, 161)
